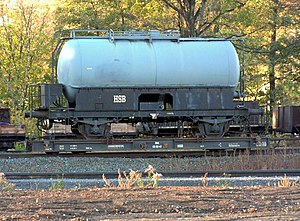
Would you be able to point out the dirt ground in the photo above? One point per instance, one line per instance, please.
(161, 203)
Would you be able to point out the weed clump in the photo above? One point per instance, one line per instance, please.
(134, 179)
(4, 184)
(57, 185)
(204, 180)
(152, 176)
(286, 182)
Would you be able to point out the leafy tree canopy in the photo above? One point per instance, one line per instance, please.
(271, 30)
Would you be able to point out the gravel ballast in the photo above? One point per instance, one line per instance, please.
(60, 164)
(66, 165)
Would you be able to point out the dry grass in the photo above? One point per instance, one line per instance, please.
(266, 159)
(286, 182)
(134, 179)
(4, 184)
(204, 181)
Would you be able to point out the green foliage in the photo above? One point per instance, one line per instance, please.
(271, 31)
(25, 52)
(152, 176)
(57, 185)
(116, 15)
(20, 146)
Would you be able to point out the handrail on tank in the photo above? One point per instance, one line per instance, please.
(74, 33)
(111, 34)
(55, 53)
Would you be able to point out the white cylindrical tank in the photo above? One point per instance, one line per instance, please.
(143, 63)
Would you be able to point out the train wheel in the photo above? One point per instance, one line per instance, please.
(44, 124)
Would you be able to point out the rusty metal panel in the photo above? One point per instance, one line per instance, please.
(60, 129)
(275, 123)
(286, 119)
(296, 119)
(12, 129)
(122, 128)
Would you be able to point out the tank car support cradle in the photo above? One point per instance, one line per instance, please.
(148, 145)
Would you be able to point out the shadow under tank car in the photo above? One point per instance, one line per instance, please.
(142, 84)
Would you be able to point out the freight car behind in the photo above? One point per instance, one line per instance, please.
(286, 119)
(9, 133)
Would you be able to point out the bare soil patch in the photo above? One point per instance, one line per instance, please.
(162, 203)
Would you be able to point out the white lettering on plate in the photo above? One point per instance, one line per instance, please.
(120, 98)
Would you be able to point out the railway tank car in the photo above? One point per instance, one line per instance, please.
(142, 84)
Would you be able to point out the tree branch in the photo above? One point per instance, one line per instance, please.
(178, 10)
(207, 25)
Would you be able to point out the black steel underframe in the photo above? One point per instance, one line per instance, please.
(62, 114)
(149, 144)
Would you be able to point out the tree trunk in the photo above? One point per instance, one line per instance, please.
(272, 57)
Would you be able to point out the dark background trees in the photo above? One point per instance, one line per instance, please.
(271, 30)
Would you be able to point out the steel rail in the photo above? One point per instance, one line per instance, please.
(175, 174)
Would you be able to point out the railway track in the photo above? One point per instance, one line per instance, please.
(168, 174)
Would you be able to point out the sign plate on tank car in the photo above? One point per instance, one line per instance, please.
(119, 98)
